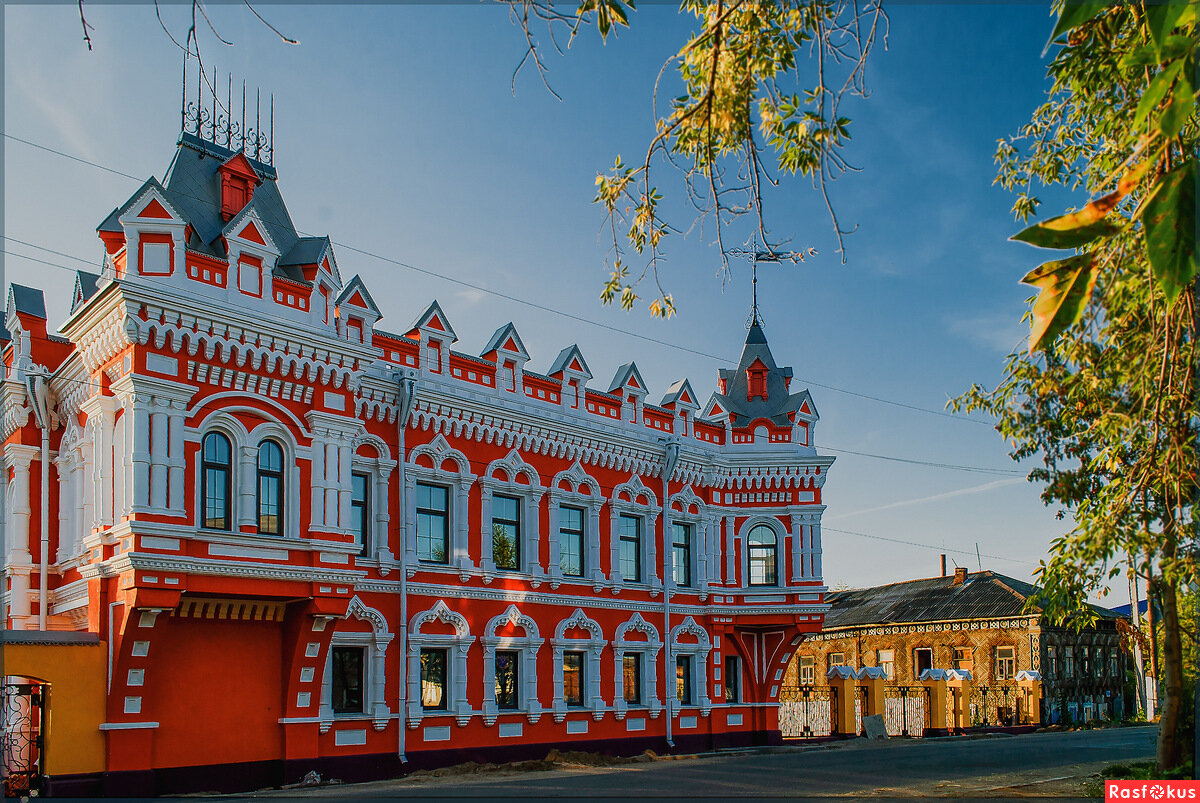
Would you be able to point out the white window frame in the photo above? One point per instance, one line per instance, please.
(439, 452)
(812, 670)
(699, 651)
(685, 507)
(888, 666)
(527, 647)
(576, 479)
(375, 645)
(649, 650)
(648, 512)
(379, 471)
(530, 495)
(999, 675)
(781, 552)
(456, 646)
(591, 647)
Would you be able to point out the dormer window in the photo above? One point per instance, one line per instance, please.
(756, 381)
(238, 180)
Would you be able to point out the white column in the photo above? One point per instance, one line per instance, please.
(798, 552)
(176, 459)
(815, 541)
(247, 484)
(345, 489)
(331, 485)
(317, 481)
(731, 576)
(159, 438)
(137, 409)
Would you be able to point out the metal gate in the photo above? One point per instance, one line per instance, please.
(806, 711)
(994, 706)
(906, 710)
(23, 708)
(861, 708)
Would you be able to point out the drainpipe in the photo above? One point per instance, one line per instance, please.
(405, 399)
(37, 389)
(670, 459)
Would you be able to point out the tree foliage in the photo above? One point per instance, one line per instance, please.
(761, 93)
(1106, 394)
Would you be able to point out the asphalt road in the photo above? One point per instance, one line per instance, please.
(1032, 765)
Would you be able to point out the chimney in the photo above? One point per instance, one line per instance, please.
(943, 565)
(960, 575)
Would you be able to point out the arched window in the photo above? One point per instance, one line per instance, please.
(215, 475)
(762, 552)
(270, 488)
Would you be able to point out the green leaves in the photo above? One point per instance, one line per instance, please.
(1170, 220)
(1066, 286)
(1075, 13)
(608, 13)
(1066, 231)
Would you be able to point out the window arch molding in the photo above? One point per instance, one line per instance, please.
(685, 507)
(248, 493)
(649, 649)
(427, 463)
(379, 469)
(456, 645)
(232, 429)
(633, 498)
(375, 644)
(527, 646)
(503, 477)
(583, 491)
(593, 646)
(780, 533)
(699, 650)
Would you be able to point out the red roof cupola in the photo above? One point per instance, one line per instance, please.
(238, 180)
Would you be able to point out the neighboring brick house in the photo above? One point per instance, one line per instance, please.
(975, 621)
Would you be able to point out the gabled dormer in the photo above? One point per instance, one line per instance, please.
(572, 372)
(629, 385)
(357, 312)
(681, 400)
(806, 418)
(86, 285)
(506, 350)
(435, 334)
(154, 234)
(238, 180)
(252, 254)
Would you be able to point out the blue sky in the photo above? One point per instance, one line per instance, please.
(397, 132)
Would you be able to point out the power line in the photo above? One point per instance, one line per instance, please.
(970, 552)
(543, 308)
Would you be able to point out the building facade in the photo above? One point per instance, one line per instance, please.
(976, 622)
(307, 543)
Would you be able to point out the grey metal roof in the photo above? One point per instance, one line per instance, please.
(354, 284)
(27, 300)
(85, 285)
(564, 359)
(621, 377)
(983, 595)
(501, 335)
(306, 251)
(778, 404)
(193, 186)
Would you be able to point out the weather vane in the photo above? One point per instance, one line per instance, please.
(758, 252)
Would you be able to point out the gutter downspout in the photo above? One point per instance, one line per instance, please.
(405, 399)
(670, 459)
(36, 387)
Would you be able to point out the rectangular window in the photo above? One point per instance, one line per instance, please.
(433, 680)
(887, 660)
(631, 677)
(1099, 662)
(683, 679)
(506, 532)
(964, 659)
(156, 252)
(681, 553)
(346, 665)
(630, 535)
(573, 678)
(1006, 663)
(922, 660)
(1051, 661)
(507, 677)
(249, 276)
(433, 523)
(570, 541)
(806, 670)
(1069, 662)
(733, 679)
(359, 520)
(837, 659)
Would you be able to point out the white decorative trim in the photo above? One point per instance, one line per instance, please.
(584, 492)
(649, 650)
(528, 646)
(438, 452)
(700, 664)
(456, 647)
(512, 467)
(592, 646)
(374, 667)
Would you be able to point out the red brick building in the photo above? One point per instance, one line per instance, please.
(308, 543)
